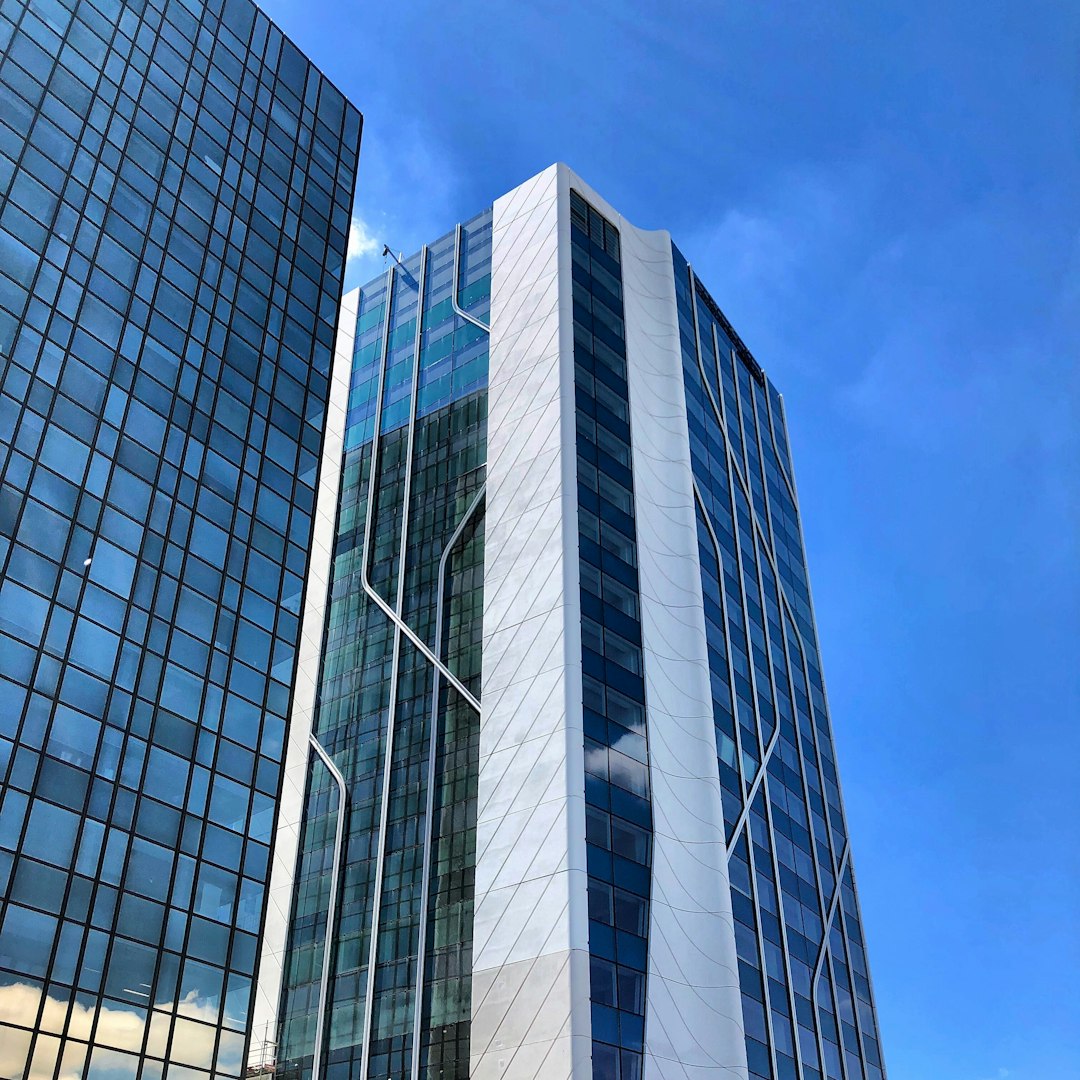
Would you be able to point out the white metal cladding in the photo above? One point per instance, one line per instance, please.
(298, 748)
(530, 1004)
(530, 978)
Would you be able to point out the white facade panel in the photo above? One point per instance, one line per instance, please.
(530, 938)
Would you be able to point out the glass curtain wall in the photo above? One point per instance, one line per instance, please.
(175, 187)
(807, 1003)
(399, 687)
(618, 808)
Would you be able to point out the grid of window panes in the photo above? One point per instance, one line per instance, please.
(175, 184)
(807, 1003)
(618, 808)
(429, 467)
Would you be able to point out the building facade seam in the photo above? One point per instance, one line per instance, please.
(331, 911)
(454, 298)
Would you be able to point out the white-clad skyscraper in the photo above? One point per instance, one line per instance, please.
(561, 796)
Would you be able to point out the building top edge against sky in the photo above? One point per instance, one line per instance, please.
(743, 350)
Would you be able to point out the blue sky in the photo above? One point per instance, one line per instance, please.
(884, 200)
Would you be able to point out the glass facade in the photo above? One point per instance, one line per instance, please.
(618, 812)
(175, 188)
(397, 707)
(807, 1005)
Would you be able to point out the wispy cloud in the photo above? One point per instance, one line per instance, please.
(364, 254)
(406, 195)
(913, 343)
(766, 260)
(361, 242)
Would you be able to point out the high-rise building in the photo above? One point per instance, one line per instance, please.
(560, 794)
(175, 189)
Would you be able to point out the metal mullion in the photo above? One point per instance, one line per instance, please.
(824, 691)
(772, 829)
(719, 410)
(747, 797)
(738, 558)
(827, 912)
(762, 474)
(837, 868)
(719, 562)
(394, 616)
(331, 911)
(742, 427)
(776, 449)
(765, 749)
(425, 885)
(810, 707)
(810, 813)
(846, 854)
(836, 1003)
(458, 309)
(732, 472)
(869, 983)
(794, 704)
(759, 780)
(760, 934)
(822, 956)
(813, 727)
(365, 1046)
(727, 649)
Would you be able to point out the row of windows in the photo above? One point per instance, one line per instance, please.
(618, 811)
(453, 352)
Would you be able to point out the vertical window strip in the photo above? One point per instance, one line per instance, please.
(617, 783)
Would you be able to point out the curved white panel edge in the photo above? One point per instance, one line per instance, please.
(297, 748)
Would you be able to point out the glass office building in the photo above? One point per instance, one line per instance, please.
(175, 188)
(569, 806)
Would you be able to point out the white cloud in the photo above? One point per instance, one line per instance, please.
(361, 242)
(408, 193)
(121, 1029)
